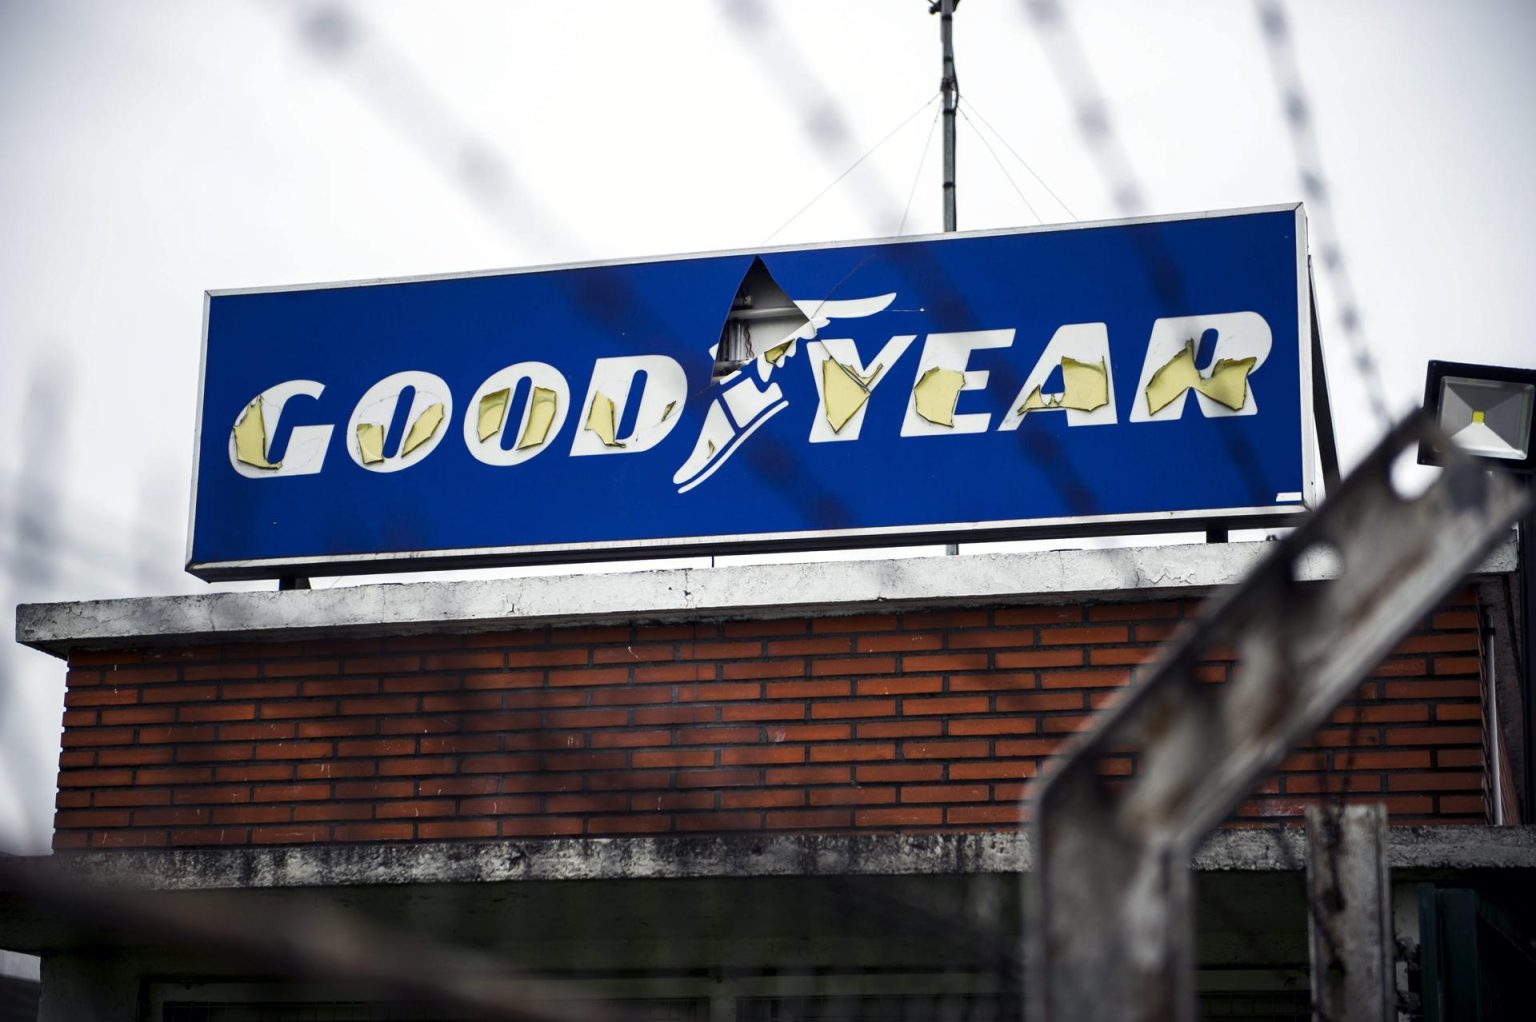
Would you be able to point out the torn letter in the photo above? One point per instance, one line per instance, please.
(1085, 388)
(601, 420)
(251, 438)
(936, 393)
(370, 442)
(1227, 383)
(493, 412)
(422, 429)
(844, 391)
(541, 412)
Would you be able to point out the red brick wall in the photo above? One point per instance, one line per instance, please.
(899, 721)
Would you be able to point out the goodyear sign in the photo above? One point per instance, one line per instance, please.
(1127, 376)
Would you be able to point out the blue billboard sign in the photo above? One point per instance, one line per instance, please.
(1136, 375)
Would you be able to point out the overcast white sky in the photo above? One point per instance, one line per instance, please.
(152, 150)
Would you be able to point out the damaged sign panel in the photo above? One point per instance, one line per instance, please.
(1137, 375)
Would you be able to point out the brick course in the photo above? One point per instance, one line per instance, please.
(903, 721)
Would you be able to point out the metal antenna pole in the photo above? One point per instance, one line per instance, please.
(950, 87)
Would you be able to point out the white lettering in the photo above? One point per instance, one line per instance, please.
(661, 402)
(845, 351)
(1084, 342)
(305, 453)
(494, 450)
(375, 411)
(1239, 335)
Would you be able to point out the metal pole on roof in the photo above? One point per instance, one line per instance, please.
(949, 86)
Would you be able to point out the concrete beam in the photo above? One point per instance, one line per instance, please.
(801, 855)
(738, 591)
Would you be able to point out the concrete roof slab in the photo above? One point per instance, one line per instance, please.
(825, 588)
(752, 855)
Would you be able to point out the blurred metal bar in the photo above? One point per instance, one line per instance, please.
(1349, 902)
(1113, 938)
(308, 940)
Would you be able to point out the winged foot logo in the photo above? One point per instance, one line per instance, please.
(742, 406)
(748, 393)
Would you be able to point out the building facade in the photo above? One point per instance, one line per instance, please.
(750, 792)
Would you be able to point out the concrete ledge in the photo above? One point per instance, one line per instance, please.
(742, 591)
(1281, 850)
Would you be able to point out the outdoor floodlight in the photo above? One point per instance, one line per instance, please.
(1486, 411)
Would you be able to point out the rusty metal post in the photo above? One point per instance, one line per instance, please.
(1112, 935)
(1349, 904)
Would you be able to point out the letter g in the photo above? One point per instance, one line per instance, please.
(305, 454)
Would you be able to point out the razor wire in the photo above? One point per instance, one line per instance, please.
(1079, 82)
(342, 40)
(822, 120)
(403, 98)
(388, 81)
(44, 552)
(1075, 74)
(1090, 107)
(498, 194)
(825, 125)
(1286, 71)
